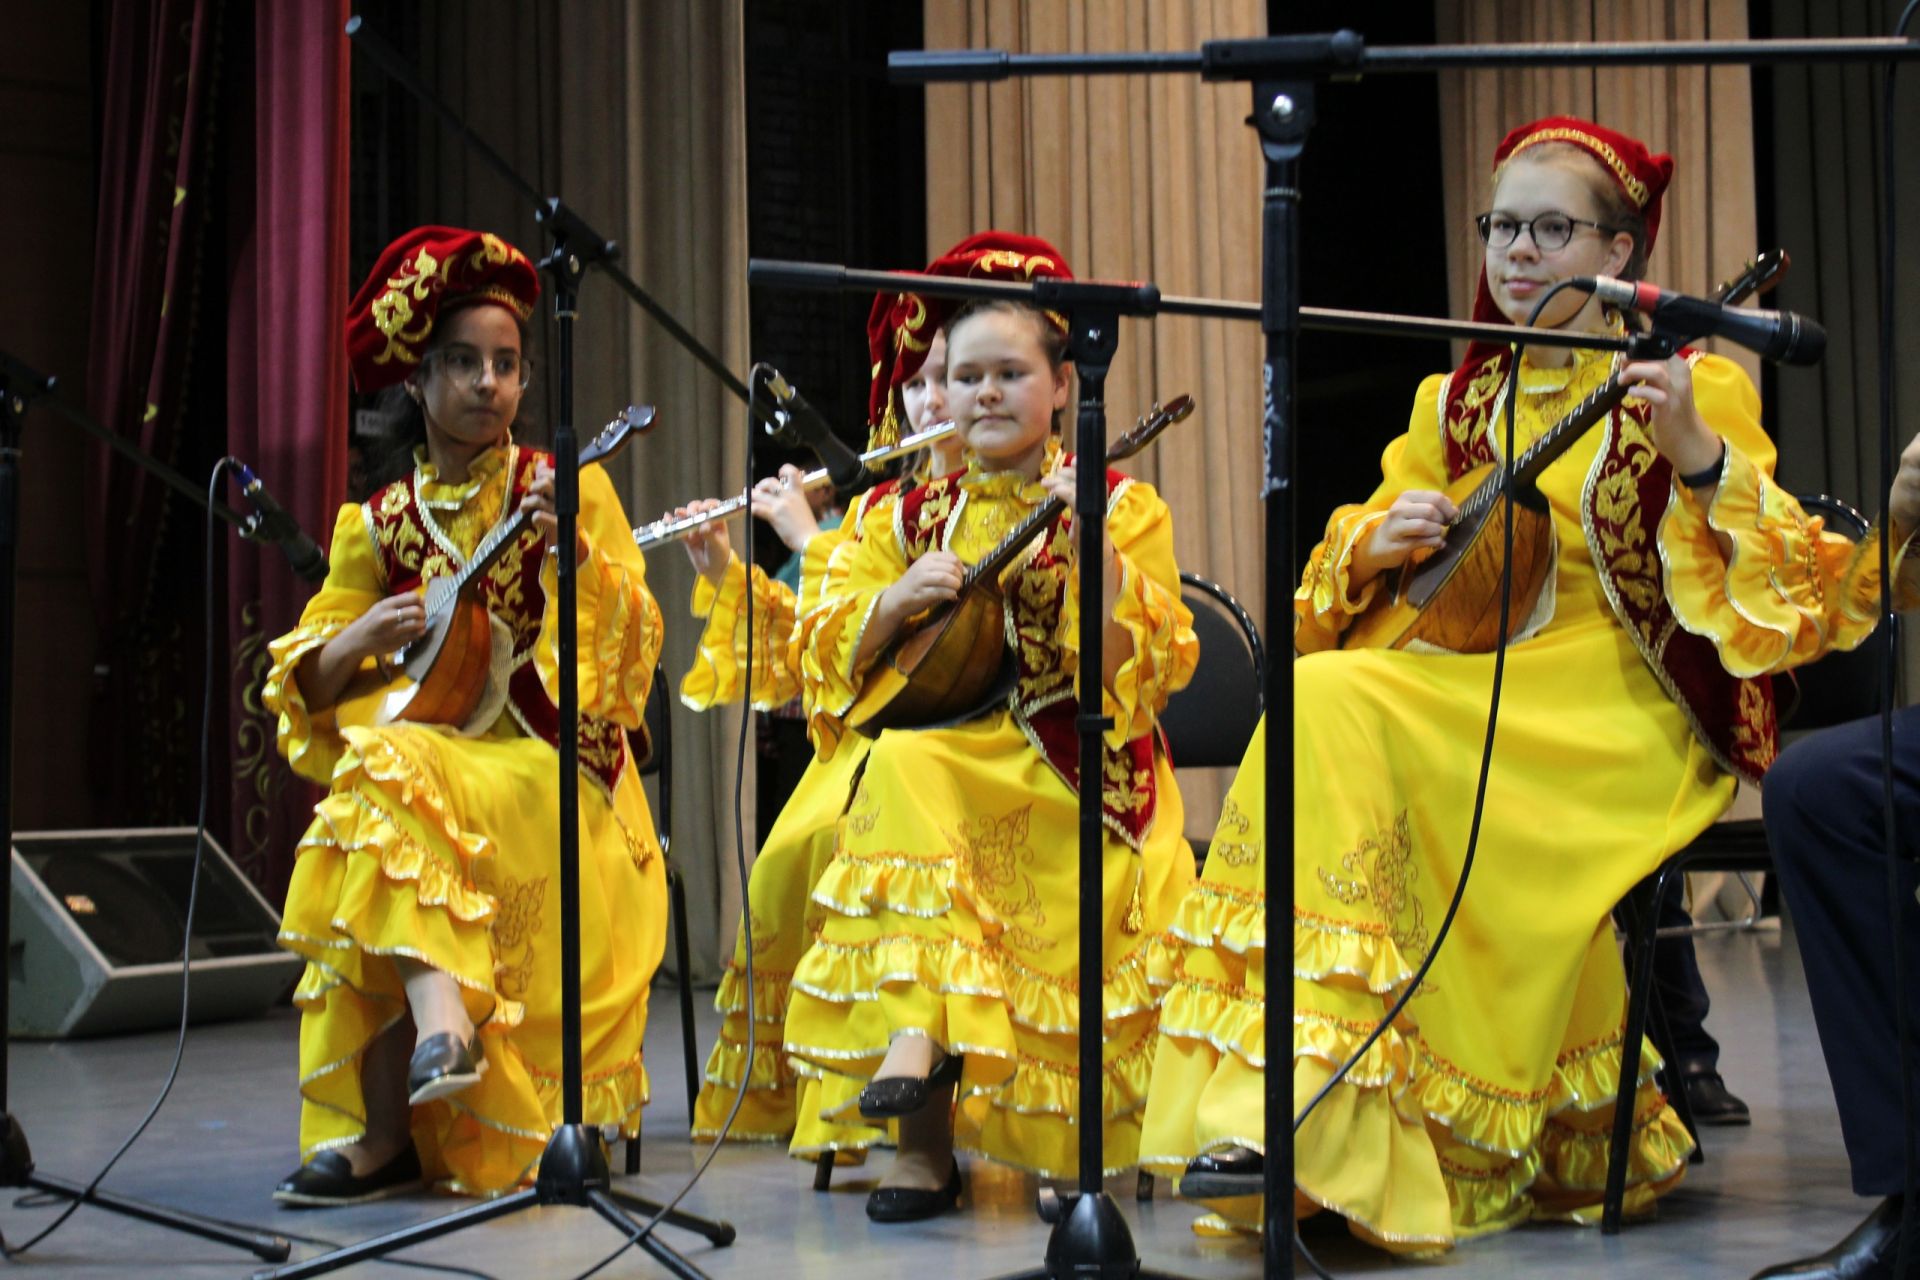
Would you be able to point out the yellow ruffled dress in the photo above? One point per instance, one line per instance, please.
(443, 848)
(1209, 1069)
(779, 1104)
(952, 900)
(1489, 1101)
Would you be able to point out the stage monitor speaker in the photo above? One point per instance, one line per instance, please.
(98, 922)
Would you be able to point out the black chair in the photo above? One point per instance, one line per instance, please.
(652, 747)
(1833, 690)
(1209, 723)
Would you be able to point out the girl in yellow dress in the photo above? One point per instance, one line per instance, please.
(1626, 716)
(425, 896)
(946, 949)
(909, 389)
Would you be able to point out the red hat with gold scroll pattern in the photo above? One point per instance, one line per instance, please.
(901, 326)
(1641, 176)
(421, 275)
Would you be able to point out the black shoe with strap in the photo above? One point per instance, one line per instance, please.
(911, 1204)
(1868, 1253)
(328, 1180)
(894, 1096)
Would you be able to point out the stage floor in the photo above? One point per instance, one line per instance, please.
(1773, 1191)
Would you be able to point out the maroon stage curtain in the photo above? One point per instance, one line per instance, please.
(220, 283)
(286, 387)
(158, 78)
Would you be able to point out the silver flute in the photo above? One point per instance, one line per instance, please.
(663, 530)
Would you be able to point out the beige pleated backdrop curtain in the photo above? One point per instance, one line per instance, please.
(633, 111)
(1139, 178)
(1703, 118)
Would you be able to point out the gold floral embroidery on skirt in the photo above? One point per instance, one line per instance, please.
(1382, 872)
(516, 921)
(1239, 852)
(992, 852)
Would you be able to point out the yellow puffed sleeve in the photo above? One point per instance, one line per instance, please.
(1790, 591)
(1326, 601)
(311, 741)
(619, 624)
(826, 638)
(1148, 606)
(714, 679)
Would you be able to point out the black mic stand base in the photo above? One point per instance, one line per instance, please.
(16, 1170)
(573, 1171)
(1090, 1241)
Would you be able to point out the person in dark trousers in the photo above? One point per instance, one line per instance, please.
(1823, 803)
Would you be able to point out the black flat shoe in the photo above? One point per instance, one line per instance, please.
(911, 1204)
(328, 1180)
(1868, 1253)
(1230, 1171)
(904, 1095)
(442, 1066)
(1712, 1103)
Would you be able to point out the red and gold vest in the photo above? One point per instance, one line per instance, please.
(1626, 493)
(410, 549)
(1043, 702)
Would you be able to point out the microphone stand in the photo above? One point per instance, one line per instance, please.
(1284, 72)
(573, 1169)
(1090, 1235)
(21, 387)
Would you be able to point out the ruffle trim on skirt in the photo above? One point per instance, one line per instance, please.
(769, 994)
(1226, 916)
(842, 973)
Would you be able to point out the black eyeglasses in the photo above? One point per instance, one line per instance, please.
(1549, 231)
(466, 366)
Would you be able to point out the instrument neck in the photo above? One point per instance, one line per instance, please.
(489, 551)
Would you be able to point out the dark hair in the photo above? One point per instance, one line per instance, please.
(400, 426)
(1052, 340)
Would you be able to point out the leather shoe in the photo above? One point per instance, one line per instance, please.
(1230, 1171)
(328, 1180)
(894, 1096)
(1711, 1102)
(1868, 1253)
(443, 1065)
(911, 1204)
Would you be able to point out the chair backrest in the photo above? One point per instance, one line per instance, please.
(1210, 722)
(1841, 686)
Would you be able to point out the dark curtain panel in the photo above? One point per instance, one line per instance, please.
(1818, 133)
(219, 286)
(286, 385)
(158, 78)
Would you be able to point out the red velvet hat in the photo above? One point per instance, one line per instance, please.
(1641, 176)
(425, 272)
(901, 326)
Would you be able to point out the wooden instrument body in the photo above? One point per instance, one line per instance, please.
(449, 663)
(1451, 599)
(947, 668)
(957, 660)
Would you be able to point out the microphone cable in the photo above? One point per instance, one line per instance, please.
(1486, 766)
(756, 377)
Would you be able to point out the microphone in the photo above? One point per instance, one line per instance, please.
(842, 463)
(1785, 337)
(270, 522)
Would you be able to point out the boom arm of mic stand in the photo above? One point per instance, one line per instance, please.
(552, 213)
(21, 386)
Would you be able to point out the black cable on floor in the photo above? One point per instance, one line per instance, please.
(756, 378)
(1486, 767)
